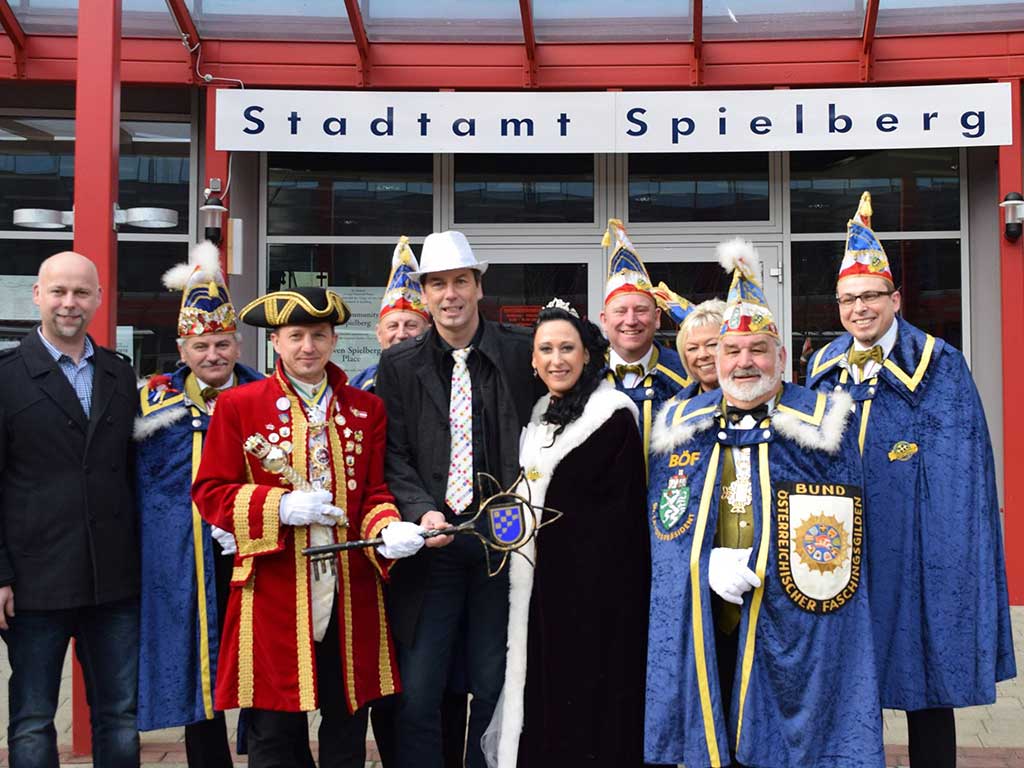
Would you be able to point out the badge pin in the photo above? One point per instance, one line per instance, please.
(283, 417)
(273, 437)
(902, 451)
(285, 431)
(270, 427)
(351, 485)
(286, 446)
(351, 472)
(359, 435)
(283, 404)
(357, 413)
(350, 446)
(197, 423)
(350, 461)
(339, 420)
(347, 433)
(359, 449)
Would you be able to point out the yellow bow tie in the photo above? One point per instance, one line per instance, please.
(860, 357)
(209, 393)
(622, 370)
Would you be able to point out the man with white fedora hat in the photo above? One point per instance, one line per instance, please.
(457, 398)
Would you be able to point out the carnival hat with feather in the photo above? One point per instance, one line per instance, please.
(626, 270)
(404, 291)
(864, 254)
(747, 310)
(205, 302)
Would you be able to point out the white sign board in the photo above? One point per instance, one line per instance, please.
(16, 298)
(656, 121)
(126, 340)
(357, 346)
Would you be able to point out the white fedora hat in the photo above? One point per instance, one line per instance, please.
(443, 251)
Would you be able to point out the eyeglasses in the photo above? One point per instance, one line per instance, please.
(868, 297)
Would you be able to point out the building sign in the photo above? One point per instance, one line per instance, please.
(657, 121)
(357, 347)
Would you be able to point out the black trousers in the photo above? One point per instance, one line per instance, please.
(206, 742)
(453, 729)
(281, 739)
(932, 736)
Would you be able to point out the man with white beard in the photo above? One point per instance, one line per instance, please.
(759, 649)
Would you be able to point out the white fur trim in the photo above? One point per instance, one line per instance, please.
(741, 254)
(149, 425)
(538, 454)
(826, 437)
(665, 438)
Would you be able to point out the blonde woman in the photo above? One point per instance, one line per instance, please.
(697, 341)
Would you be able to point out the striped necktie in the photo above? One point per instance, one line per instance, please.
(460, 418)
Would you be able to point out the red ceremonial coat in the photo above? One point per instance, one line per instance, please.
(267, 658)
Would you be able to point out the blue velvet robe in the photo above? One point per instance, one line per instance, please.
(804, 693)
(365, 379)
(666, 379)
(178, 640)
(939, 602)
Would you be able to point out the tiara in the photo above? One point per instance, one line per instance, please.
(557, 303)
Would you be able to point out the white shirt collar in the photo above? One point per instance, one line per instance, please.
(887, 342)
(226, 385)
(645, 361)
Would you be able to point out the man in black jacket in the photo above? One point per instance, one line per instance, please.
(457, 398)
(68, 524)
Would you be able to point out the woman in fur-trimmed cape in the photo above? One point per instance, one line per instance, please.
(574, 680)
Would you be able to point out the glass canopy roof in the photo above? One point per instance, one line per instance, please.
(499, 21)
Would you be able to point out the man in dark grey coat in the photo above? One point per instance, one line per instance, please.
(457, 398)
(68, 525)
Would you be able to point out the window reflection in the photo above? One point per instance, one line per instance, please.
(349, 194)
(493, 189)
(911, 189)
(473, 21)
(927, 272)
(602, 21)
(768, 19)
(920, 17)
(699, 187)
(515, 293)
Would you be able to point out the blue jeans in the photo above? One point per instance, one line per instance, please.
(107, 646)
(459, 595)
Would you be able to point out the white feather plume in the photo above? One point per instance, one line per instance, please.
(739, 253)
(204, 258)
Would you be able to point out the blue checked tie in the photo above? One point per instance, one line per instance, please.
(460, 419)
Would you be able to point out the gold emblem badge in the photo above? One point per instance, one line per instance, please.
(902, 451)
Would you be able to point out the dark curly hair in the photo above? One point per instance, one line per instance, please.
(564, 410)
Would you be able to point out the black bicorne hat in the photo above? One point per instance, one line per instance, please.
(296, 306)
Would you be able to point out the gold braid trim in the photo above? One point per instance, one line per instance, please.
(303, 644)
(345, 585)
(381, 524)
(387, 680)
(240, 514)
(245, 647)
(271, 525)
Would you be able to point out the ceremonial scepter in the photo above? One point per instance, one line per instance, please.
(507, 513)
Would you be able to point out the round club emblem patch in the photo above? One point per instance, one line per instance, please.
(821, 543)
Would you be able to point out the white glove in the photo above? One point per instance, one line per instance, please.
(309, 508)
(401, 539)
(225, 539)
(728, 574)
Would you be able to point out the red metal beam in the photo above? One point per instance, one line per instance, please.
(697, 14)
(1011, 257)
(97, 130)
(431, 66)
(183, 19)
(870, 22)
(362, 42)
(14, 32)
(529, 43)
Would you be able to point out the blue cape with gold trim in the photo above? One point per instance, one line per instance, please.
(365, 380)
(939, 600)
(178, 638)
(804, 690)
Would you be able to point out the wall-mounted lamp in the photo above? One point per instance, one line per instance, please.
(46, 218)
(1013, 207)
(211, 212)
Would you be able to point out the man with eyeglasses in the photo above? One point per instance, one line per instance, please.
(936, 569)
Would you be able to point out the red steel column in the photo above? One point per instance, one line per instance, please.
(97, 125)
(1011, 258)
(215, 166)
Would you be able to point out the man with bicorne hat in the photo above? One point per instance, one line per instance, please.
(638, 365)
(457, 398)
(292, 461)
(759, 644)
(403, 314)
(935, 550)
(186, 563)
